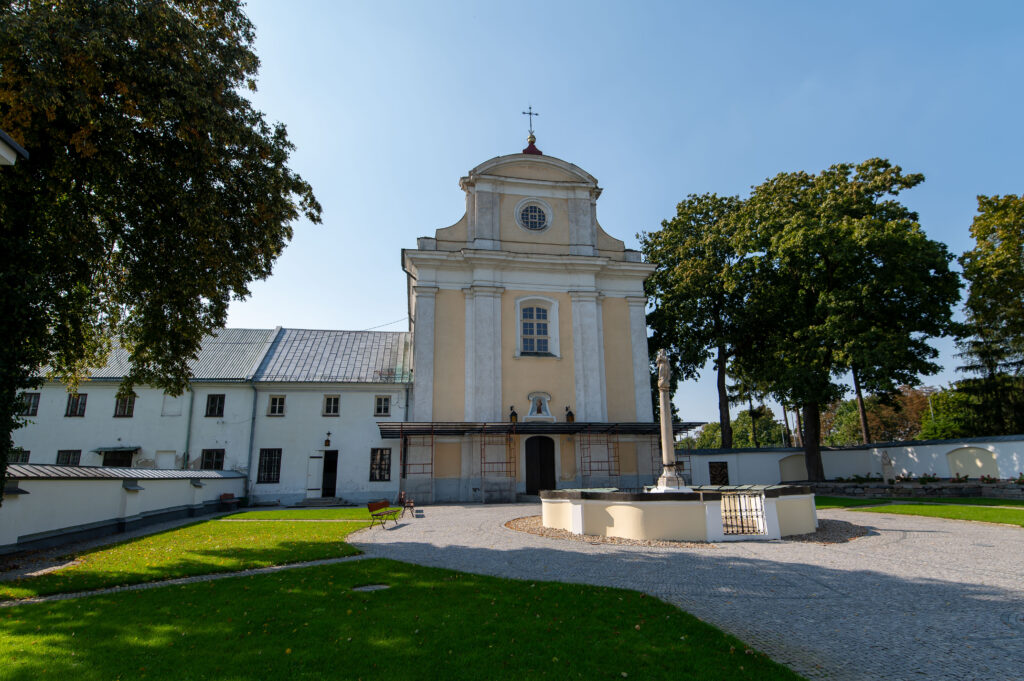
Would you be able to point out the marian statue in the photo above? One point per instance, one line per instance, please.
(664, 371)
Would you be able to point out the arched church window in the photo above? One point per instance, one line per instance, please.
(535, 330)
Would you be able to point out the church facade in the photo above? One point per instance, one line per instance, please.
(526, 312)
(525, 368)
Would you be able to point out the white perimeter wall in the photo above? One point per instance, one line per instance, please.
(762, 467)
(52, 505)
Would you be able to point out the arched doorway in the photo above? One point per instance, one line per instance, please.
(540, 464)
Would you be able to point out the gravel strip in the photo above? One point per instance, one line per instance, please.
(831, 532)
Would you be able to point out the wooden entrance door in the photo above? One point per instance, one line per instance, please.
(540, 464)
(329, 486)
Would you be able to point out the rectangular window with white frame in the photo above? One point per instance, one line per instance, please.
(534, 327)
(332, 405)
(76, 405)
(124, 407)
(215, 406)
(29, 404)
(382, 405)
(275, 407)
(213, 460)
(69, 457)
(380, 465)
(269, 471)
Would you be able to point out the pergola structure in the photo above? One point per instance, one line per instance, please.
(597, 455)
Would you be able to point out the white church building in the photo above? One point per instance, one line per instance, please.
(525, 368)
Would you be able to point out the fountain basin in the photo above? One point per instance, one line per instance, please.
(713, 513)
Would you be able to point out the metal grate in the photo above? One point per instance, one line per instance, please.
(743, 513)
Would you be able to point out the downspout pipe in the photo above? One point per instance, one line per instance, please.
(188, 428)
(250, 480)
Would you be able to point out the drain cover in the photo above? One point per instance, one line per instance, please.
(371, 587)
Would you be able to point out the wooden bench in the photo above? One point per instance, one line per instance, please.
(228, 501)
(381, 511)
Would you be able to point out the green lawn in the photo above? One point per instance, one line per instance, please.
(843, 502)
(198, 549)
(1009, 516)
(431, 624)
(360, 513)
(969, 501)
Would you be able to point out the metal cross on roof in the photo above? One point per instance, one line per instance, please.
(531, 114)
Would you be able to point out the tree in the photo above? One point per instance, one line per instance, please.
(893, 417)
(840, 275)
(696, 311)
(993, 340)
(769, 432)
(154, 193)
(949, 416)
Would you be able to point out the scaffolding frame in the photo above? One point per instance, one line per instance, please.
(426, 441)
(610, 465)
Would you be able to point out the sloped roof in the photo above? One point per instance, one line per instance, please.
(27, 471)
(338, 357)
(229, 355)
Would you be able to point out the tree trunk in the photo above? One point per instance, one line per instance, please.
(812, 442)
(860, 408)
(753, 421)
(723, 399)
(787, 437)
(799, 428)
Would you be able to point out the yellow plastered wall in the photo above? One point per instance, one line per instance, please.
(452, 238)
(447, 459)
(449, 355)
(554, 239)
(618, 360)
(521, 376)
(627, 458)
(533, 171)
(567, 448)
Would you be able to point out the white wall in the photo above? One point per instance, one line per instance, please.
(148, 427)
(754, 467)
(52, 505)
(301, 432)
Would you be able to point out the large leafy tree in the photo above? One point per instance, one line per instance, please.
(840, 275)
(154, 192)
(696, 307)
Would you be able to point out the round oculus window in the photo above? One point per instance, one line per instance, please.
(532, 216)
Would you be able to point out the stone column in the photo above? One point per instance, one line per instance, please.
(670, 480)
(483, 354)
(588, 352)
(641, 375)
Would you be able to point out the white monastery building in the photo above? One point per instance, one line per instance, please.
(525, 368)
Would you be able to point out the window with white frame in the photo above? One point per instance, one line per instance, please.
(332, 405)
(213, 460)
(269, 471)
(124, 407)
(276, 405)
(215, 406)
(69, 457)
(29, 404)
(76, 405)
(534, 330)
(380, 465)
(382, 405)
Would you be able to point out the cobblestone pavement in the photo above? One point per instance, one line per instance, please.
(918, 598)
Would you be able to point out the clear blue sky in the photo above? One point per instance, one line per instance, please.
(390, 103)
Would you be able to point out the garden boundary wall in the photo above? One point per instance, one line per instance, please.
(995, 457)
(46, 506)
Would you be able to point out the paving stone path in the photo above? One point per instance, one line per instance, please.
(918, 598)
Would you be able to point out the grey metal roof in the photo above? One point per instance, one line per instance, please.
(338, 357)
(26, 471)
(228, 355)
(392, 430)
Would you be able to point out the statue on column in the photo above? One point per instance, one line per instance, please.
(664, 371)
